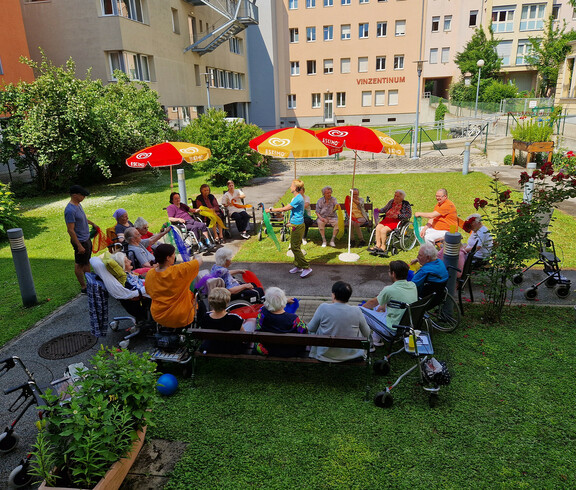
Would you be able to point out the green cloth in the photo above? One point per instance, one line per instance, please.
(270, 229)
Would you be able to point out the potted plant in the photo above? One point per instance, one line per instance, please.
(533, 136)
(101, 420)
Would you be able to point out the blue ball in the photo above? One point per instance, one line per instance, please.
(167, 384)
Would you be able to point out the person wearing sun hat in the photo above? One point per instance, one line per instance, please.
(78, 227)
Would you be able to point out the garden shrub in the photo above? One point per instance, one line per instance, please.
(441, 111)
(8, 209)
(497, 91)
(508, 160)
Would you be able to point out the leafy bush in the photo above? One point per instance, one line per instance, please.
(441, 111)
(531, 129)
(508, 160)
(8, 209)
(497, 91)
(232, 158)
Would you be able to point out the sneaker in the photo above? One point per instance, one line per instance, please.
(83, 291)
(295, 270)
(324, 244)
(245, 235)
(304, 241)
(306, 272)
(332, 244)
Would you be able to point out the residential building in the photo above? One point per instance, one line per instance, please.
(177, 46)
(566, 86)
(13, 45)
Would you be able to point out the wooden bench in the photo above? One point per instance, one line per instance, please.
(287, 339)
(368, 207)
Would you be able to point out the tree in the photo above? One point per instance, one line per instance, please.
(231, 157)
(547, 54)
(71, 129)
(480, 48)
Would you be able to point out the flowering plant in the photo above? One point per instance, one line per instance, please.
(565, 162)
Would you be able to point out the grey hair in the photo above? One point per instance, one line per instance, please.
(275, 299)
(324, 189)
(429, 251)
(129, 234)
(222, 255)
(119, 257)
(444, 191)
(140, 222)
(476, 216)
(401, 192)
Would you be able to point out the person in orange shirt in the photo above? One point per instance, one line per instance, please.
(173, 304)
(440, 220)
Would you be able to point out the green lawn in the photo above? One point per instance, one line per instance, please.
(505, 421)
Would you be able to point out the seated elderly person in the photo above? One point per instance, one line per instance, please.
(178, 212)
(139, 247)
(137, 307)
(232, 200)
(219, 319)
(479, 236)
(396, 210)
(338, 319)
(209, 201)
(326, 215)
(142, 226)
(173, 304)
(359, 216)
(432, 272)
(122, 223)
(247, 291)
(440, 220)
(273, 318)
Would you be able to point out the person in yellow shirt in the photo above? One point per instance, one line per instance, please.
(440, 220)
(173, 304)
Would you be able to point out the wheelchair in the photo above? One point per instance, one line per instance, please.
(277, 220)
(228, 221)
(191, 241)
(401, 239)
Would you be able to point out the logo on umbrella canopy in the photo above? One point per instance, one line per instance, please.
(189, 150)
(279, 142)
(337, 133)
(143, 155)
(387, 140)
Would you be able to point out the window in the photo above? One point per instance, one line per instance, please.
(363, 30)
(573, 13)
(192, 33)
(131, 9)
(399, 62)
(447, 22)
(473, 18)
(328, 3)
(362, 64)
(310, 4)
(532, 17)
(294, 68)
(328, 33)
(445, 55)
(380, 63)
(345, 32)
(292, 4)
(392, 97)
(524, 48)
(1, 69)
(555, 12)
(345, 2)
(311, 67)
(235, 45)
(504, 48)
(175, 22)
(380, 97)
(366, 99)
(503, 19)
(400, 28)
(136, 66)
(328, 67)
(435, 24)
(364, 1)
(294, 35)
(381, 29)
(291, 101)
(310, 34)
(433, 56)
(340, 99)
(316, 101)
(344, 65)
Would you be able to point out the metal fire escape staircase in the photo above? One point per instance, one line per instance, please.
(238, 15)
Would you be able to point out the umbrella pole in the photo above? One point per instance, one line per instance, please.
(349, 257)
(294, 168)
(171, 184)
(354, 169)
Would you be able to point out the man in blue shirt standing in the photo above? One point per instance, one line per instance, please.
(296, 208)
(79, 231)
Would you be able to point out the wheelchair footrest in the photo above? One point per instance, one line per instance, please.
(181, 356)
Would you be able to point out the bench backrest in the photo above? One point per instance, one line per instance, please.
(368, 206)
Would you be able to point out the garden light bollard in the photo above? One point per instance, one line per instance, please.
(22, 266)
(452, 241)
(466, 162)
(182, 185)
(528, 191)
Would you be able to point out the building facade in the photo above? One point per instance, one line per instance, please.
(566, 86)
(13, 44)
(163, 42)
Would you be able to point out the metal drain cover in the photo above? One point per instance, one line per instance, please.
(67, 345)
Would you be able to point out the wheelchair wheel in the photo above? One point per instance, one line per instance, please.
(383, 399)
(260, 234)
(381, 367)
(517, 279)
(440, 320)
(407, 237)
(531, 294)
(237, 303)
(562, 291)
(282, 235)
(20, 477)
(8, 441)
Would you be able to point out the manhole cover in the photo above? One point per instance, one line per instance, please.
(67, 345)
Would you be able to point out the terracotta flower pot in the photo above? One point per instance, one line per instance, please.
(117, 472)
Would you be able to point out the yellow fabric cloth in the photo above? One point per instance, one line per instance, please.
(356, 212)
(113, 267)
(173, 304)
